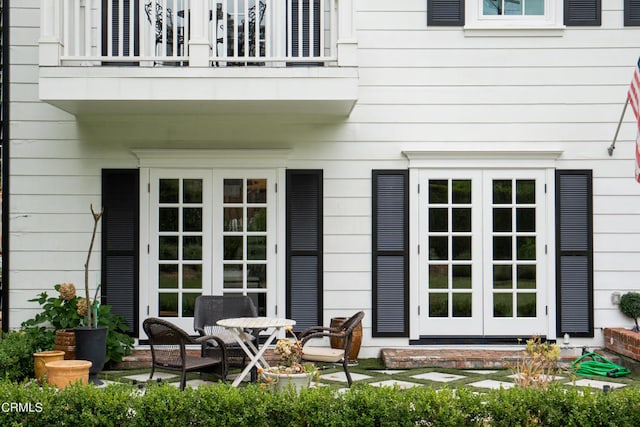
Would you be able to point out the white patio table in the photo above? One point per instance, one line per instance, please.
(237, 326)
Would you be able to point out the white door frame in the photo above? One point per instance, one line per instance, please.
(187, 159)
(452, 157)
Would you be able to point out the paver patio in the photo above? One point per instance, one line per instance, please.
(370, 371)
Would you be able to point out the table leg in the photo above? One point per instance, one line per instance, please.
(256, 356)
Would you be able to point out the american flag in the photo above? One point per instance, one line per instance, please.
(634, 100)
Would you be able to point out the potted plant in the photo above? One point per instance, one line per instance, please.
(290, 371)
(59, 317)
(61, 313)
(630, 307)
(91, 339)
(100, 336)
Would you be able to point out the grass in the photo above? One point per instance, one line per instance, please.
(372, 369)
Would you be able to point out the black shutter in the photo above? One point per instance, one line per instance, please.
(126, 29)
(631, 13)
(304, 247)
(305, 45)
(574, 252)
(390, 253)
(445, 13)
(120, 200)
(582, 12)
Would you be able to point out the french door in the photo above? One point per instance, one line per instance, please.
(482, 238)
(211, 232)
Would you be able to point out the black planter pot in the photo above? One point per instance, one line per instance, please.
(91, 345)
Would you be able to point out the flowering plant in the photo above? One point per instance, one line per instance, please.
(61, 312)
(68, 310)
(290, 352)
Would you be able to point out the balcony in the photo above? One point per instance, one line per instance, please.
(198, 56)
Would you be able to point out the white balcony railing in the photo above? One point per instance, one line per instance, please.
(193, 32)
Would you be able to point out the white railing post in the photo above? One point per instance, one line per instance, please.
(347, 43)
(199, 45)
(50, 44)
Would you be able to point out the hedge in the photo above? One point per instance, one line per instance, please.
(28, 404)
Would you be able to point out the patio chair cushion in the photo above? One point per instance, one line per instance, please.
(322, 354)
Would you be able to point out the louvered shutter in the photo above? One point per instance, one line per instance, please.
(631, 13)
(308, 49)
(120, 200)
(390, 253)
(582, 12)
(445, 12)
(574, 251)
(304, 247)
(111, 9)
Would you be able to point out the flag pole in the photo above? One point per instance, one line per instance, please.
(615, 137)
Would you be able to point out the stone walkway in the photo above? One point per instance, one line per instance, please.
(478, 379)
(480, 369)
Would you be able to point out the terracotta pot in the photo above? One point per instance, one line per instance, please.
(356, 338)
(61, 373)
(41, 358)
(65, 340)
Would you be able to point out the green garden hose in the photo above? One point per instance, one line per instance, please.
(598, 366)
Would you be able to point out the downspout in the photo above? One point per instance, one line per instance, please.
(5, 5)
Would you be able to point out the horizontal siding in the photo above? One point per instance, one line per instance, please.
(617, 242)
(350, 280)
(477, 58)
(419, 86)
(479, 95)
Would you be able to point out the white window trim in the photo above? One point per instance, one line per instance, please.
(551, 20)
(452, 156)
(464, 156)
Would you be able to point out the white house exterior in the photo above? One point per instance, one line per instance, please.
(440, 164)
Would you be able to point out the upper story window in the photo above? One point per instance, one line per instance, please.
(513, 7)
(518, 14)
(497, 14)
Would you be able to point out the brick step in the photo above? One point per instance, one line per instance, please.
(404, 358)
(455, 358)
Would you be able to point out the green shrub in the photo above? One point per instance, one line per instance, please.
(630, 306)
(16, 353)
(362, 405)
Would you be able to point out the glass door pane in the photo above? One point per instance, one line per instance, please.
(449, 213)
(515, 239)
(514, 248)
(450, 285)
(247, 236)
(180, 245)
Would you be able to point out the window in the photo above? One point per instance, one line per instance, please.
(522, 14)
(513, 7)
(516, 14)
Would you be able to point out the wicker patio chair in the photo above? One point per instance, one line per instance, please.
(331, 355)
(211, 308)
(168, 350)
